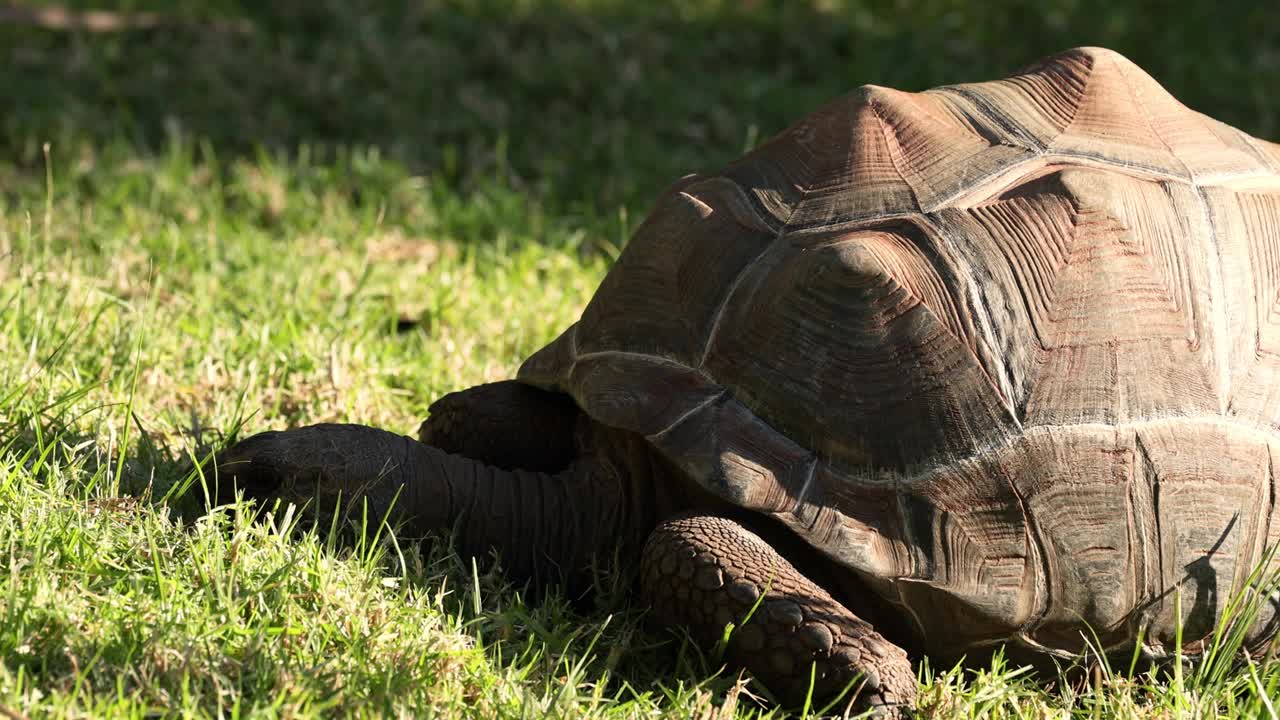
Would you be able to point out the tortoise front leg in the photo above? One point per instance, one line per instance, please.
(546, 527)
(703, 572)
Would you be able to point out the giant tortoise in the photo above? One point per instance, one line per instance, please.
(994, 364)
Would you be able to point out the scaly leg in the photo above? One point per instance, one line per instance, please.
(703, 572)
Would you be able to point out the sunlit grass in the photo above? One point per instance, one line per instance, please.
(191, 260)
(136, 337)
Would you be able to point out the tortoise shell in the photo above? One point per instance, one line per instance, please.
(1006, 350)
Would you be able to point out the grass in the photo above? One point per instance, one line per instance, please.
(342, 214)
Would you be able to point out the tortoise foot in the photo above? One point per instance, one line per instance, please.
(349, 469)
(702, 573)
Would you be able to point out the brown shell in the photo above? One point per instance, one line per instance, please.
(1007, 350)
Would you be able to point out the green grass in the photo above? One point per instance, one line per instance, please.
(340, 215)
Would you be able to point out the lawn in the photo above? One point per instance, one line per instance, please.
(247, 217)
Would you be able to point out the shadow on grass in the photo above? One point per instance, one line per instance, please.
(545, 638)
(542, 639)
(585, 104)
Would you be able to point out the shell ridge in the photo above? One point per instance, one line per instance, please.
(1271, 506)
(1266, 513)
(693, 410)
(1263, 158)
(1146, 117)
(802, 495)
(1019, 172)
(951, 117)
(999, 119)
(891, 142)
(923, 470)
(967, 190)
(980, 311)
(1152, 480)
(703, 209)
(737, 281)
(1087, 60)
(1141, 519)
(1218, 296)
(751, 201)
(571, 339)
(642, 356)
(981, 130)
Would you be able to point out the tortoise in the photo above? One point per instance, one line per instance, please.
(989, 365)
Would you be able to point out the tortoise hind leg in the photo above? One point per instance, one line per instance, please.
(703, 572)
(506, 424)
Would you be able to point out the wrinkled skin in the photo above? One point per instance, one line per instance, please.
(521, 472)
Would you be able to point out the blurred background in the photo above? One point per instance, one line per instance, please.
(585, 107)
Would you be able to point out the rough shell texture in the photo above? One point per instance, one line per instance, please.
(1007, 350)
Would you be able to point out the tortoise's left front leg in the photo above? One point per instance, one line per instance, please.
(547, 528)
(703, 572)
